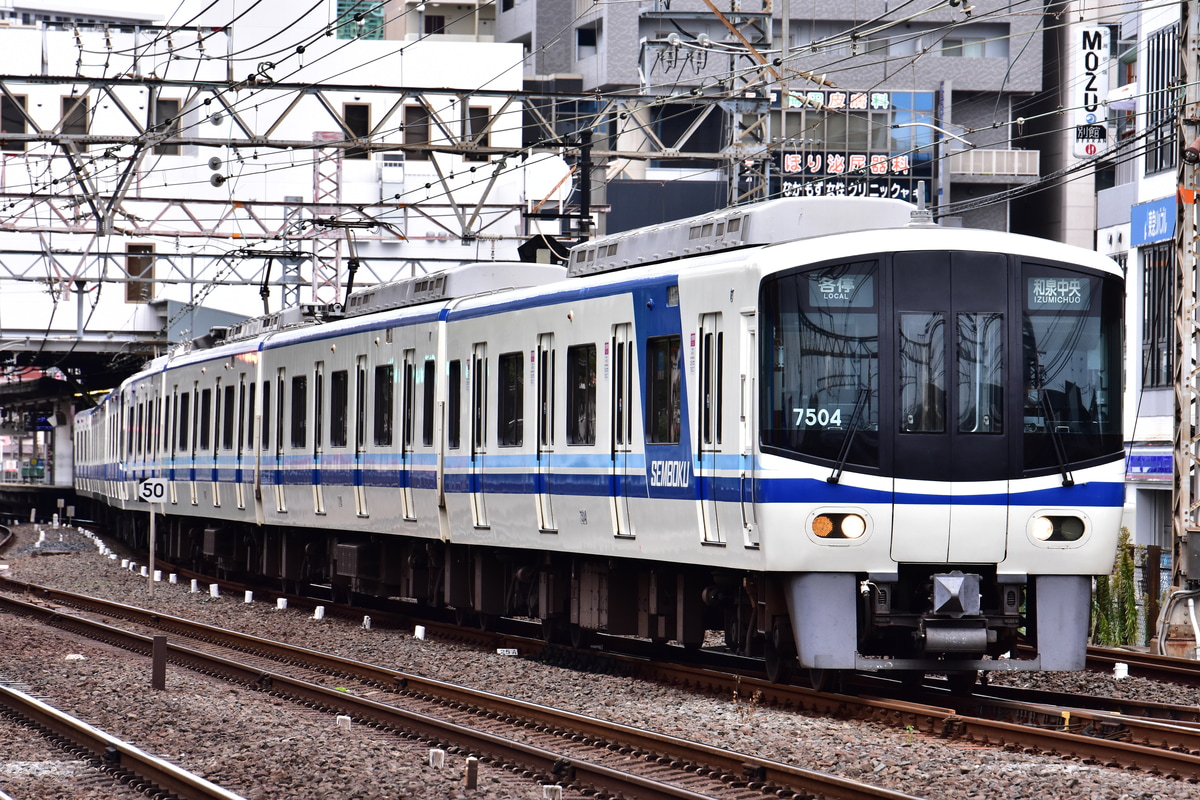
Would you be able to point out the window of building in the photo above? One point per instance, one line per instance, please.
(384, 398)
(360, 19)
(510, 411)
(416, 131)
(1162, 72)
(166, 121)
(663, 405)
(475, 131)
(434, 24)
(587, 42)
(581, 394)
(299, 411)
(12, 120)
(339, 407)
(139, 265)
(357, 117)
(75, 117)
(1158, 315)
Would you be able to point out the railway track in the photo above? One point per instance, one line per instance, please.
(1157, 738)
(550, 745)
(123, 761)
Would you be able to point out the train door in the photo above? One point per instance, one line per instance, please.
(709, 414)
(950, 428)
(545, 429)
(747, 429)
(479, 416)
(622, 425)
(360, 434)
(407, 434)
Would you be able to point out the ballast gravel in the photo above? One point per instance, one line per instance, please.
(263, 748)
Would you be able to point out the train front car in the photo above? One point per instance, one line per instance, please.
(941, 454)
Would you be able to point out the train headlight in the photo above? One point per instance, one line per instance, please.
(853, 526)
(1071, 528)
(1055, 528)
(1041, 528)
(835, 526)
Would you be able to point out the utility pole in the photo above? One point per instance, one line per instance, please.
(1177, 623)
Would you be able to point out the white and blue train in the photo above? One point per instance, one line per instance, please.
(845, 438)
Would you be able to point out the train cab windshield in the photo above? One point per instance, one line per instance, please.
(942, 365)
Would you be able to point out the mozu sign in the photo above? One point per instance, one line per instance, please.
(1089, 81)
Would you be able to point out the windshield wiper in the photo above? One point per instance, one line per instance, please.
(1060, 447)
(848, 439)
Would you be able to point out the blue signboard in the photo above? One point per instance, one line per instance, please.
(1152, 222)
(1149, 463)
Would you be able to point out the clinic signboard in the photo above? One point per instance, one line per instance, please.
(1152, 222)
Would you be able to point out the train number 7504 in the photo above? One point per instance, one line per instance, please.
(814, 417)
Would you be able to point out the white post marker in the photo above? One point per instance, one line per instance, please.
(152, 490)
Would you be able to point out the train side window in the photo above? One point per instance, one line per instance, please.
(510, 413)
(204, 414)
(384, 399)
(581, 394)
(280, 406)
(318, 405)
(922, 360)
(249, 406)
(266, 415)
(139, 427)
(185, 420)
(409, 401)
(427, 404)
(216, 421)
(454, 405)
(663, 409)
(165, 426)
(299, 411)
(227, 420)
(339, 406)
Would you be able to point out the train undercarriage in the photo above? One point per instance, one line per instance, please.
(918, 615)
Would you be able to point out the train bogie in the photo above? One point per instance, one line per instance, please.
(895, 451)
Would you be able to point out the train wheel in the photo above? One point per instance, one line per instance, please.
(778, 662)
(552, 631)
(580, 636)
(826, 680)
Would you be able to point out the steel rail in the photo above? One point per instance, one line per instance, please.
(547, 764)
(110, 752)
